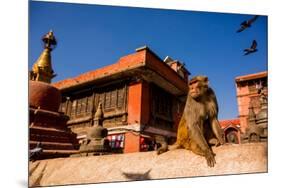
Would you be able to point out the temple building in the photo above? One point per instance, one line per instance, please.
(142, 98)
(248, 97)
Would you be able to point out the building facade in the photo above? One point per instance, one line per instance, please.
(142, 98)
(247, 88)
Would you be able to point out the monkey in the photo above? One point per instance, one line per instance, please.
(198, 128)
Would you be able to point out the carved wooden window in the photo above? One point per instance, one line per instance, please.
(107, 100)
(252, 86)
(111, 97)
(120, 97)
(162, 108)
(63, 107)
(73, 108)
(68, 109)
(78, 107)
(83, 104)
(162, 103)
(89, 104)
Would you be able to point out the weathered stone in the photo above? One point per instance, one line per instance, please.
(95, 142)
(231, 159)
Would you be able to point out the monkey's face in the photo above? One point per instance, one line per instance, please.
(196, 89)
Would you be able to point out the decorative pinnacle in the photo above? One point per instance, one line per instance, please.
(42, 69)
(49, 40)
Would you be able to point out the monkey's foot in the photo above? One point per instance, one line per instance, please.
(210, 157)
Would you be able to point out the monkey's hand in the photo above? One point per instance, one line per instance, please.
(210, 157)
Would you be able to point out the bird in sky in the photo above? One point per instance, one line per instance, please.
(252, 49)
(246, 24)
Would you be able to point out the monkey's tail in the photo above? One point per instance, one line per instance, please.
(163, 148)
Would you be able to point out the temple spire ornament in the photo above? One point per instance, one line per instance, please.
(42, 69)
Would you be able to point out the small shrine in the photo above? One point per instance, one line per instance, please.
(47, 126)
(257, 123)
(96, 142)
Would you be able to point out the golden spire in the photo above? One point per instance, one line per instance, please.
(42, 69)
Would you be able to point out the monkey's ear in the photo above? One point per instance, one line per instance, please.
(206, 79)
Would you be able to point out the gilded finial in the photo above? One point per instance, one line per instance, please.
(49, 40)
(42, 69)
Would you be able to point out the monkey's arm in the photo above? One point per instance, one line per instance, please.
(217, 130)
(196, 135)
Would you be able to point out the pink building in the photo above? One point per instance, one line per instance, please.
(247, 93)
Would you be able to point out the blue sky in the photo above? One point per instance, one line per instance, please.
(93, 36)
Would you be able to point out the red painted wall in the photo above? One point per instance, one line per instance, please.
(132, 142)
(138, 103)
(134, 103)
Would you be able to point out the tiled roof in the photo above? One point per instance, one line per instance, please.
(142, 59)
(227, 122)
(123, 63)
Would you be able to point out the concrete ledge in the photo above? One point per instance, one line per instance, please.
(231, 159)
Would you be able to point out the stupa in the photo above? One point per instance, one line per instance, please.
(96, 142)
(47, 125)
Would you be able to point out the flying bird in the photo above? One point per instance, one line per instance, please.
(244, 25)
(36, 152)
(252, 49)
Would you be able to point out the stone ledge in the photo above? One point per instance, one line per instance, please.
(231, 159)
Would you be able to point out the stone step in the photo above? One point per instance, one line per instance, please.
(50, 138)
(51, 132)
(49, 154)
(60, 151)
(53, 145)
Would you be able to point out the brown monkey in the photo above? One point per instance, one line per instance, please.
(199, 127)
